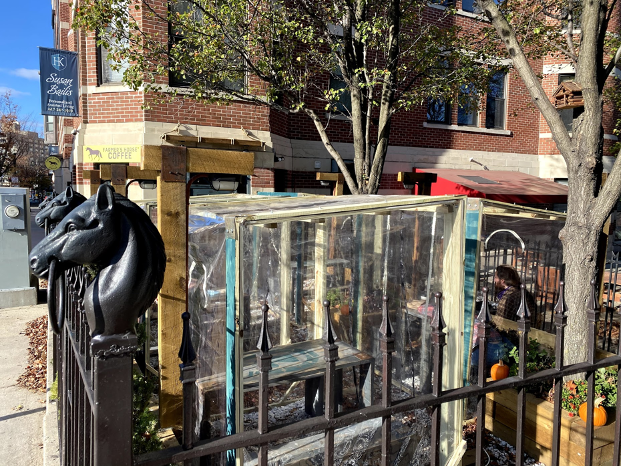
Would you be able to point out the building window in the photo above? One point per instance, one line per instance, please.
(467, 111)
(495, 102)
(337, 83)
(110, 70)
(187, 77)
(569, 115)
(439, 111)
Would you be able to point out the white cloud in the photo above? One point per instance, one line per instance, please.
(14, 92)
(24, 73)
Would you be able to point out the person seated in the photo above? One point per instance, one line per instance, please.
(507, 287)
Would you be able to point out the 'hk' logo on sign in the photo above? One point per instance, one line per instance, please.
(59, 62)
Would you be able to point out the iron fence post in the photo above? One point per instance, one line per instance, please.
(593, 317)
(187, 375)
(264, 363)
(438, 342)
(112, 387)
(560, 323)
(483, 332)
(331, 356)
(387, 347)
(524, 325)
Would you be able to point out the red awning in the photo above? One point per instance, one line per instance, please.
(504, 186)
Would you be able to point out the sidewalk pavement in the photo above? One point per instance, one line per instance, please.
(27, 428)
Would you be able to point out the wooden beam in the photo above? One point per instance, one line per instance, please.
(337, 178)
(220, 141)
(135, 173)
(172, 224)
(204, 160)
(94, 177)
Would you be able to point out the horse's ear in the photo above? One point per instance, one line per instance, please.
(69, 192)
(104, 199)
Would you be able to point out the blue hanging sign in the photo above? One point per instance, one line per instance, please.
(59, 82)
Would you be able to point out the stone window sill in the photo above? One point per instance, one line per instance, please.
(469, 129)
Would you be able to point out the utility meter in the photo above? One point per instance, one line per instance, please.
(11, 211)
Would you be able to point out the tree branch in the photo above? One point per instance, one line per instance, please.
(612, 64)
(608, 196)
(521, 64)
(331, 150)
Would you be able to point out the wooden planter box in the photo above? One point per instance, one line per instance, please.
(501, 421)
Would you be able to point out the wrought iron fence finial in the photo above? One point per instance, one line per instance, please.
(264, 344)
(438, 323)
(484, 313)
(187, 354)
(329, 331)
(523, 309)
(386, 329)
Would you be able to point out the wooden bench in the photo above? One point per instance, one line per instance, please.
(304, 361)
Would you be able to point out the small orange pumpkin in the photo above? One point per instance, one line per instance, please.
(499, 371)
(600, 413)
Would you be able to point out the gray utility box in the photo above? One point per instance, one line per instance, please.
(15, 288)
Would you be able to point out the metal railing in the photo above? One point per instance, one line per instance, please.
(94, 384)
(95, 390)
(190, 450)
(539, 267)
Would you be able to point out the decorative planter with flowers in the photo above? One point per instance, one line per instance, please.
(501, 410)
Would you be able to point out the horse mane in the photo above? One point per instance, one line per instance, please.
(148, 238)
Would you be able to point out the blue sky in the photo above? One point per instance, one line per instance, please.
(25, 25)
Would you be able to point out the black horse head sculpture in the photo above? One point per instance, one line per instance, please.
(116, 238)
(55, 210)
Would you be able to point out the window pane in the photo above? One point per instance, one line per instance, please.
(108, 74)
(495, 102)
(467, 5)
(438, 111)
(344, 104)
(467, 112)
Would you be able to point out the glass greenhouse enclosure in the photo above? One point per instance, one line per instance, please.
(295, 252)
(524, 238)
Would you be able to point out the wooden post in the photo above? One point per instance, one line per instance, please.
(172, 223)
(321, 253)
(286, 281)
(95, 179)
(336, 178)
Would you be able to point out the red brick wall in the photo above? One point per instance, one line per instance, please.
(262, 178)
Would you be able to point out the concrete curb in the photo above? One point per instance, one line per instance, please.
(51, 454)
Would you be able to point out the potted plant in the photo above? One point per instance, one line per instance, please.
(501, 413)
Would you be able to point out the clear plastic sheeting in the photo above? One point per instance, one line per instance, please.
(293, 254)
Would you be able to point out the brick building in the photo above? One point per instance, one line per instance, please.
(512, 137)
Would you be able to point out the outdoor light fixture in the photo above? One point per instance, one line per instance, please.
(278, 159)
(472, 160)
(225, 184)
(144, 184)
(325, 183)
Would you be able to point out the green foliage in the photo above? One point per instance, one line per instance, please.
(54, 389)
(145, 424)
(335, 297)
(538, 358)
(574, 392)
(388, 56)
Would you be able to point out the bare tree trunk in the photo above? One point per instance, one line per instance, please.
(588, 204)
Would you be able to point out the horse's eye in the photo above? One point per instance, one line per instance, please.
(71, 227)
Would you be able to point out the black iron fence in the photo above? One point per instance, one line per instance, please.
(94, 381)
(539, 267)
(95, 390)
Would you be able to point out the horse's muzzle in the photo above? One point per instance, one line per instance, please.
(38, 267)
